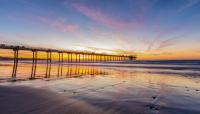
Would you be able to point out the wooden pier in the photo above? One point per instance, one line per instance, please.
(80, 57)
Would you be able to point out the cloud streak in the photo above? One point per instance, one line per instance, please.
(167, 43)
(189, 4)
(100, 17)
(161, 35)
(59, 24)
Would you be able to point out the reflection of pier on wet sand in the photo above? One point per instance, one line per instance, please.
(97, 88)
(71, 56)
(100, 90)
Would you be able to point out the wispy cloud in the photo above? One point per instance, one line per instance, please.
(167, 43)
(59, 24)
(189, 4)
(160, 35)
(98, 16)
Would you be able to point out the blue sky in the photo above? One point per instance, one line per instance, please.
(144, 27)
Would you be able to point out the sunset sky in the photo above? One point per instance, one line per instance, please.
(151, 29)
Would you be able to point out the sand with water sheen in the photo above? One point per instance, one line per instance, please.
(121, 90)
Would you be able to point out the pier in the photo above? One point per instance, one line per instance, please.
(70, 57)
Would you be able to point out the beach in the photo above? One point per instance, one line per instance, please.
(99, 57)
(100, 88)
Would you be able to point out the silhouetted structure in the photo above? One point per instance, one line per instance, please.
(86, 57)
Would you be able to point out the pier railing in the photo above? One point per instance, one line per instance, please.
(80, 57)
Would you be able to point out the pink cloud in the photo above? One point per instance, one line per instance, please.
(59, 24)
(161, 34)
(99, 16)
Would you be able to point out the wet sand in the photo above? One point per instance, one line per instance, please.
(26, 100)
(120, 91)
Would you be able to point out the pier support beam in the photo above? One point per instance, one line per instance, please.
(48, 69)
(91, 58)
(100, 58)
(71, 57)
(50, 59)
(62, 61)
(59, 63)
(79, 58)
(16, 54)
(68, 57)
(34, 64)
(83, 58)
(96, 58)
(76, 58)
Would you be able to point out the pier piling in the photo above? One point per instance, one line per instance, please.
(34, 64)
(15, 65)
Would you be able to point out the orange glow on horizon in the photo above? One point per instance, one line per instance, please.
(141, 55)
(169, 55)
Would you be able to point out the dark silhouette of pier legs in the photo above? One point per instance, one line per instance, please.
(97, 58)
(59, 61)
(83, 58)
(48, 69)
(62, 60)
(71, 57)
(50, 64)
(79, 58)
(34, 64)
(100, 58)
(91, 58)
(60, 64)
(76, 57)
(106, 58)
(68, 57)
(14, 73)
